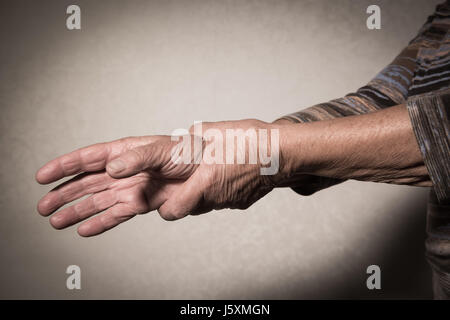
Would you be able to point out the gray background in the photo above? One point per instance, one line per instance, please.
(148, 67)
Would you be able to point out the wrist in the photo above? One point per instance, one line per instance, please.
(292, 153)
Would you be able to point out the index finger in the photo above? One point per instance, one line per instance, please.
(87, 159)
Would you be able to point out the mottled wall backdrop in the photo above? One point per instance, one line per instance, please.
(148, 67)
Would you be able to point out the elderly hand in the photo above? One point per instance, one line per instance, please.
(137, 175)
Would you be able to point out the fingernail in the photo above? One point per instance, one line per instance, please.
(116, 166)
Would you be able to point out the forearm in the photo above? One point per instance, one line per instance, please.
(377, 94)
(379, 146)
(387, 89)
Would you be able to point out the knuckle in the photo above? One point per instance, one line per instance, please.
(137, 201)
(137, 157)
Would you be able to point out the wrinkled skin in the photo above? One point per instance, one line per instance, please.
(310, 154)
(150, 181)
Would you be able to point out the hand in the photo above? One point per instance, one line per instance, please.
(148, 180)
(143, 190)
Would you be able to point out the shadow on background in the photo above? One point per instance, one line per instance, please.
(404, 270)
(405, 274)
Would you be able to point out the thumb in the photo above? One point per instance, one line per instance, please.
(149, 156)
(187, 201)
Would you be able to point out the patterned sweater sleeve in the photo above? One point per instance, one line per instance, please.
(388, 88)
(430, 118)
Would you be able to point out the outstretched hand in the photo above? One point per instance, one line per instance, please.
(136, 175)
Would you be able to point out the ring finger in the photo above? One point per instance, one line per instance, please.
(84, 209)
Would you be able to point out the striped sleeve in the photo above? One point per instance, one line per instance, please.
(390, 87)
(430, 118)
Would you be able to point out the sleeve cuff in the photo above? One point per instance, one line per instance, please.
(429, 114)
